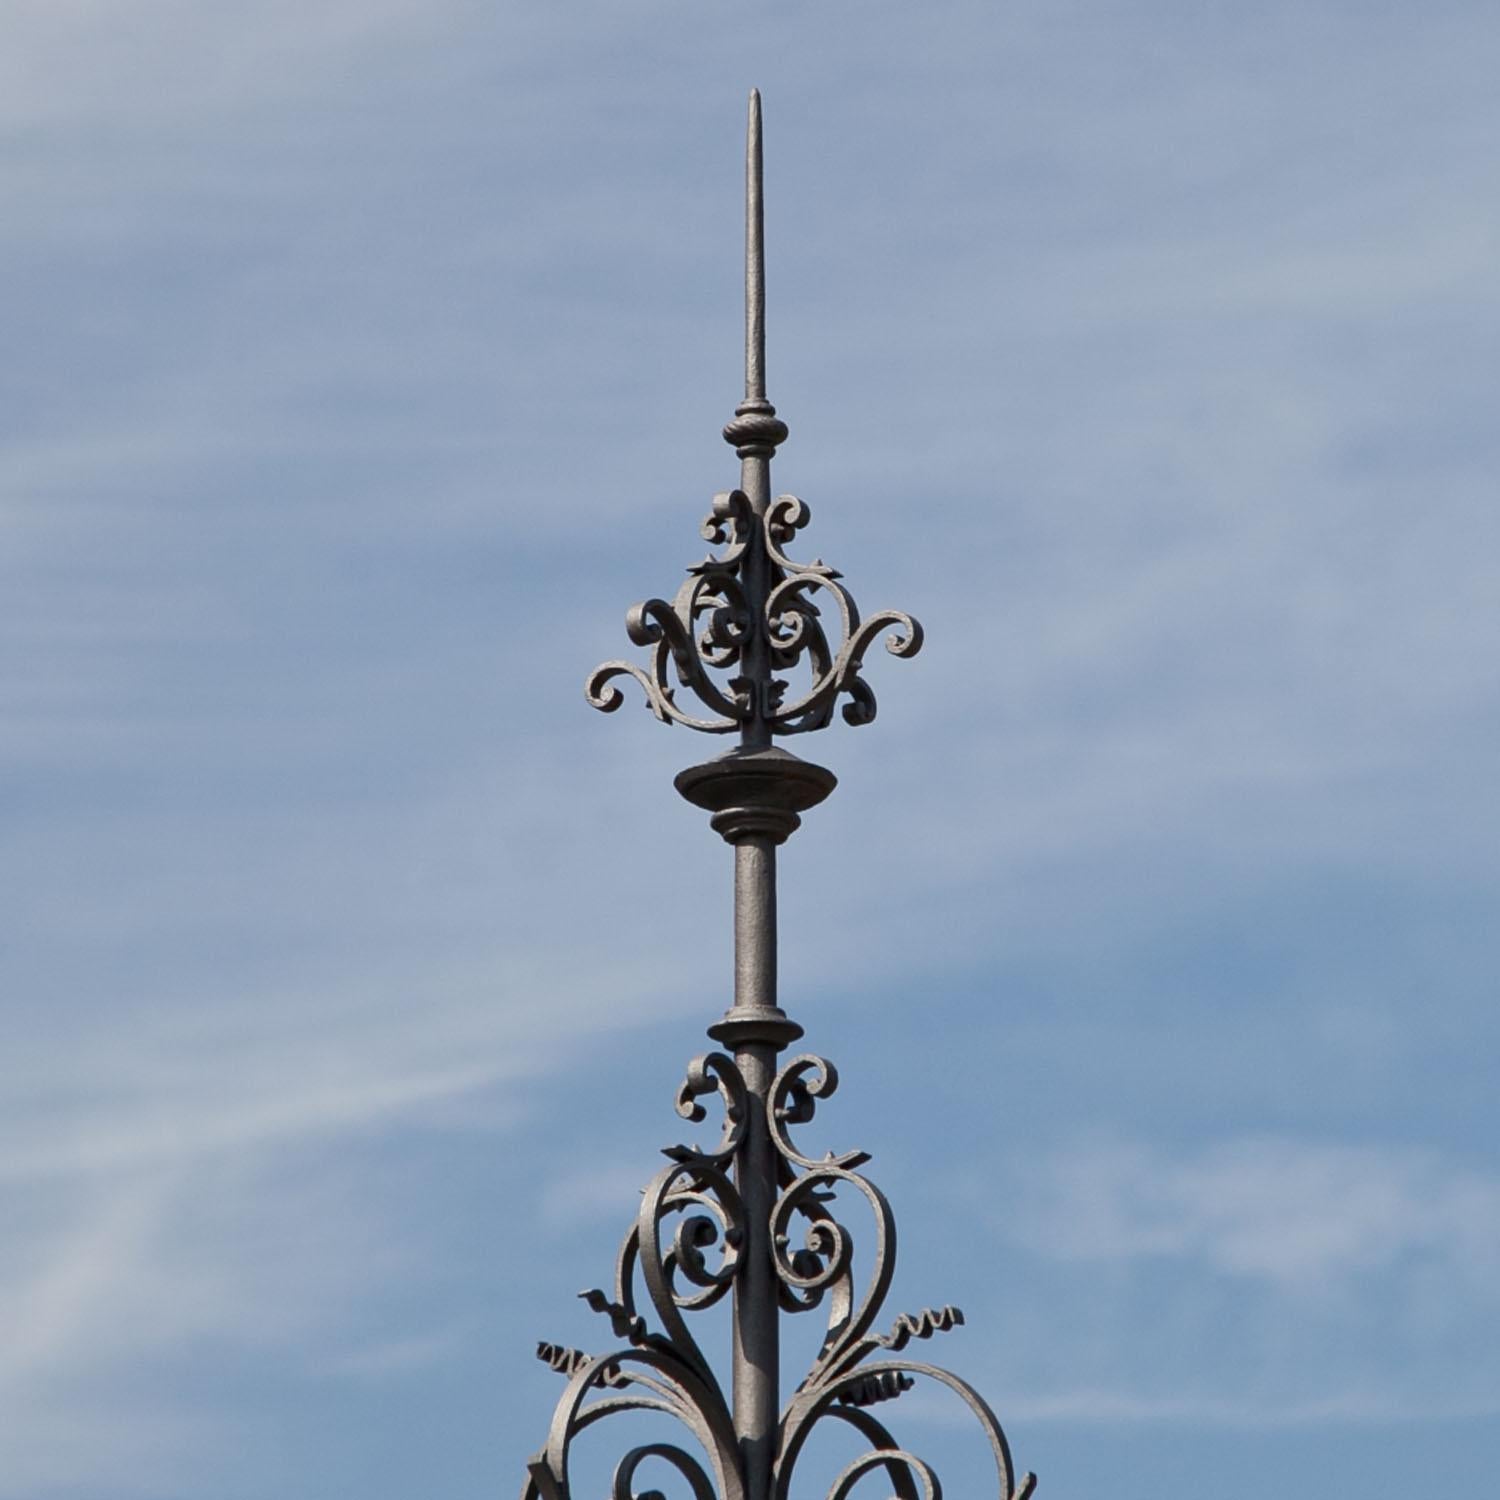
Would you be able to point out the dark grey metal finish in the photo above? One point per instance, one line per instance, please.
(725, 1220)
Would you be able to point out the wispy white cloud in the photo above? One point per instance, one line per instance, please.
(112, 1281)
(57, 1305)
(1254, 1283)
(1298, 1214)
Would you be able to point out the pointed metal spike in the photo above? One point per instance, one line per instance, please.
(755, 261)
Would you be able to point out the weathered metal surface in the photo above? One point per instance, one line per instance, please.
(751, 1217)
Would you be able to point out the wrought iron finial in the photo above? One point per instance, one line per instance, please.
(751, 612)
(752, 1218)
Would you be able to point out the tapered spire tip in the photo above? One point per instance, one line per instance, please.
(755, 258)
(756, 429)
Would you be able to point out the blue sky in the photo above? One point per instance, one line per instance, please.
(366, 359)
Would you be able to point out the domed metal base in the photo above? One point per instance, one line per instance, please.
(756, 791)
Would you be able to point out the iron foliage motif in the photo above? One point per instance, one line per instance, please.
(684, 1251)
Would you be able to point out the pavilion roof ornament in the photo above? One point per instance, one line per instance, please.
(752, 1217)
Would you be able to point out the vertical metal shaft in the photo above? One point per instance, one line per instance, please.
(755, 922)
(757, 1351)
(755, 455)
(757, 1354)
(755, 258)
(756, 794)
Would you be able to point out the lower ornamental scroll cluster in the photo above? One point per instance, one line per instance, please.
(685, 1251)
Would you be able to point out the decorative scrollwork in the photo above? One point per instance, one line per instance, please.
(812, 1404)
(570, 1361)
(923, 1326)
(873, 1389)
(686, 1248)
(672, 1390)
(684, 1463)
(623, 1322)
(688, 1211)
(794, 1100)
(843, 1380)
(711, 1073)
(888, 1459)
(824, 1264)
(753, 610)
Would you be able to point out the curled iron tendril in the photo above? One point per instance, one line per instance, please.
(688, 1211)
(752, 594)
(844, 1381)
(711, 1073)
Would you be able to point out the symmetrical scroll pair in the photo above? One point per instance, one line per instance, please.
(684, 1249)
(751, 603)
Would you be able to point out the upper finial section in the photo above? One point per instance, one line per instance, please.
(756, 429)
(751, 612)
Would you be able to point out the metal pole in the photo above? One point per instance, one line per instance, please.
(756, 1367)
(757, 1351)
(755, 432)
